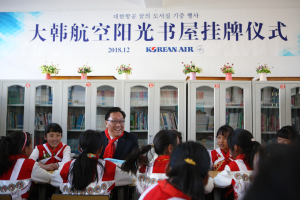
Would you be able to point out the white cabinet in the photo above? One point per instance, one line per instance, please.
(212, 104)
(276, 104)
(153, 105)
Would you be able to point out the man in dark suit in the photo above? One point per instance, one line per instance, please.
(117, 142)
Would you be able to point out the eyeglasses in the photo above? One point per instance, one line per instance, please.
(115, 122)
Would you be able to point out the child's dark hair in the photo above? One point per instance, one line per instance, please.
(189, 165)
(114, 109)
(223, 130)
(243, 139)
(12, 145)
(84, 169)
(179, 135)
(288, 132)
(53, 127)
(161, 141)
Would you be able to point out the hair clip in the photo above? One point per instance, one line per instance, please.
(190, 161)
(152, 145)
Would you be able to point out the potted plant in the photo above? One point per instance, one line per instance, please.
(192, 69)
(125, 70)
(263, 70)
(84, 70)
(228, 70)
(49, 69)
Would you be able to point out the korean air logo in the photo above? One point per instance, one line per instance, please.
(169, 49)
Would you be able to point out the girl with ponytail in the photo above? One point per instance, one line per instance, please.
(17, 171)
(147, 173)
(187, 172)
(238, 172)
(89, 175)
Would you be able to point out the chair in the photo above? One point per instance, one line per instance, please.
(5, 196)
(78, 197)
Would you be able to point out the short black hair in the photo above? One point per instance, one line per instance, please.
(53, 127)
(223, 130)
(114, 109)
(288, 132)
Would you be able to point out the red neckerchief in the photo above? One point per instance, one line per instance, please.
(244, 158)
(109, 150)
(226, 156)
(54, 151)
(16, 156)
(160, 164)
(171, 190)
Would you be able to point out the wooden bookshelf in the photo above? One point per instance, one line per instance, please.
(282, 79)
(216, 78)
(79, 77)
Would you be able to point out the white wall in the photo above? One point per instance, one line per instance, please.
(145, 67)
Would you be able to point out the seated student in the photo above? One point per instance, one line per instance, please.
(149, 172)
(242, 149)
(287, 135)
(17, 171)
(54, 153)
(89, 175)
(278, 175)
(187, 172)
(220, 157)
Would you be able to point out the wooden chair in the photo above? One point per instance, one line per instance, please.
(5, 197)
(78, 197)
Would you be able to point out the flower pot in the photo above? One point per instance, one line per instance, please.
(263, 77)
(192, 75)
(47, 77)
(125, 76)
(228, 77)
(83, 77)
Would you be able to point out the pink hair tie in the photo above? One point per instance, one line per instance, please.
(25, 140)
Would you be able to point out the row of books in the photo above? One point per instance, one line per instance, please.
(105, 98)
(234, 96)
(44, 95)
(100, 122)
(205, 98)
(270, 97)
(139, 121)
(142, 142)
(235, 120)
(271, 141)
(38, 141)
(168, 120)
(269, 123)
(208, 144)
(296, 123)
(16, 95)
(73, 143)
(76, 122)
(169, 96)
(204, 122)
(14, 120)
(41, 120)
(76, 97)
(139, 96)
(295, 100)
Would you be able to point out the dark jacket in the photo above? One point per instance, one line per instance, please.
(126, 144)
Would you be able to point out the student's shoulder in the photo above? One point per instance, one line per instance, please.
(233, 165)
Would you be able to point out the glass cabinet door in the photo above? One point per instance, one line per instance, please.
(270, 122)
(15, 109)
(43, 112)
(235, 107)
(139, 113)
(205, 116)
(76, 116)
(295, 108)
(105, 101)
(169, 108)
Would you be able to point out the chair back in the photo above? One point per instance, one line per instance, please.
(78, 197)
(5, 196)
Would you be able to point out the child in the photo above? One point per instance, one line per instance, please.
(187, 172)
(148, 174)
(17, 171)
(287, 135)
(53, 154)
(220, 157)
(242, 149)
(89, 175)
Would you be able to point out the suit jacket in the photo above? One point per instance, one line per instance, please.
(126, 144)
